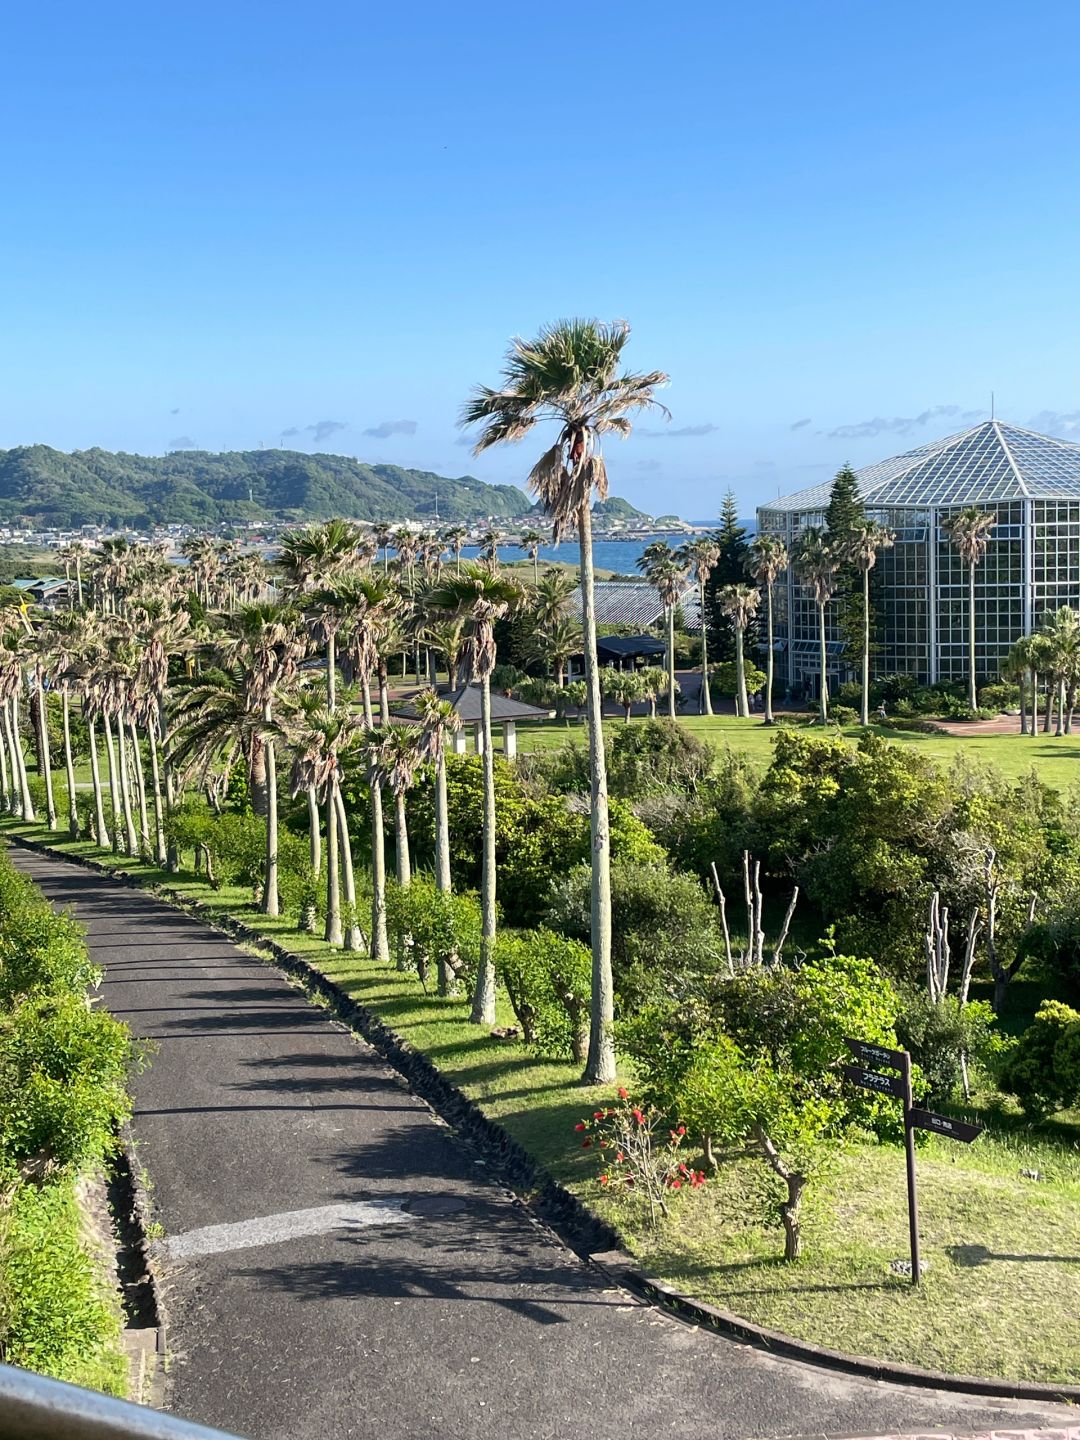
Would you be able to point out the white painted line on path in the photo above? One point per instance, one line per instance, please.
(273, 1229)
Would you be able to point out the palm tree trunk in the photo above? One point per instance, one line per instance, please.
(332, 933)
(483, 1007)
(864, 709)
(378, 945)
(443, 880)
(401, 839)
(600, 1064)
(354, 936)
(44, 757)
(161, 854)
(78, 581)
(705, 707)
(7, 794)
(384, 694)
(742, 700)
(671, 660)
(114, 784)
(29, 813)
(1023, 704)
(69, 768)
(1048, 716)
(972, 698)
(1034, 702)
(104, 839)
(314, 837)
(14, 792)
(331, 671)
(270, 883)
(769, 653)
(824, 657)
(20, 792)
(1060, 727)
(257, 775)
(130, 838)
(139, 773)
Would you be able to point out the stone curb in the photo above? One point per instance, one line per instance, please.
(591, 1238)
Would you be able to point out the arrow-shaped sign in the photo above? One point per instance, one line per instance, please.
(871, 1080)
(945, 1125)
(875, 1054)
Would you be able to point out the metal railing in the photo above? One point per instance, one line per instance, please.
(34, 1408)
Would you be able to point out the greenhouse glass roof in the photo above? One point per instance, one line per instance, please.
(992, 462)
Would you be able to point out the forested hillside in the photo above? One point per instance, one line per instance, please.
(86, 487)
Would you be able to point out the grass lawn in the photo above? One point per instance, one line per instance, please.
(1057, 760)
(1002, 1295)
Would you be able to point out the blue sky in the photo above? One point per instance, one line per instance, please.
(319, 225)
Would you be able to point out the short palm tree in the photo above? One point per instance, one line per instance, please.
(530, 542)
(489, 550)
(862, 548)
(320, 738)
(570, 375)
(700, 557)
(625, 687)
(665, 571)
(481, 597)
(454, 539)
(970, 533)
(438, 721)
(740, 604)
(767, 561)
(400, 752)
(816, 563)
(266, 641)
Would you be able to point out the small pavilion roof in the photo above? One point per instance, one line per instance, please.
(627, 647)
(466, 702)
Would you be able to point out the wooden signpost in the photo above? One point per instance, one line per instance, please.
(870, 1078)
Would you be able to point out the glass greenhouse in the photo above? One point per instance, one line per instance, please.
(1030, 482)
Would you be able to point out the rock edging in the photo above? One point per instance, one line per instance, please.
(590, 1237)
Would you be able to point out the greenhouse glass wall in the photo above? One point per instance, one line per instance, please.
(1029, 482)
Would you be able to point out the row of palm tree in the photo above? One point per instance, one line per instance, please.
(1052, 653)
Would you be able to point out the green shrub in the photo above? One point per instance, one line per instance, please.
(843, 715)
(996, 698)
(56, 1316)
(39, 949)
(428, 927)
(1043, 1068)
(724, 679)
(63, 1083)
(940, 1034)
(548, 979)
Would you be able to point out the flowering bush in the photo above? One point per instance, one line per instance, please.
(638, 1152)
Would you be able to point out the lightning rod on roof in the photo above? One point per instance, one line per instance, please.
(992, 414)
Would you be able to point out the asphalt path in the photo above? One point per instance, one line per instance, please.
(336, 1263)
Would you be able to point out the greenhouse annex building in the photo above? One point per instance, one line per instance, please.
(1029, 482)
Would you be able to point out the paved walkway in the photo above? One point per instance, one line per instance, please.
(336, 1263)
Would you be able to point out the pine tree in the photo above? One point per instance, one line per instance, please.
(730, 569)
(844, 514)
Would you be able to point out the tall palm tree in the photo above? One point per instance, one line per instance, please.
(1061, 629)
(12, 661)
(369, 602)
(481, 597)
(970, 533)
(1017, 666)
(766, 562)
(265, 640)
(816, 563)
(862, 548)
(570, 375)
(740, 604)
(700, 557)
(665, 571)
(530, 542)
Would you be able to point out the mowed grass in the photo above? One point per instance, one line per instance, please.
(1056, 759)
(1001, 1296)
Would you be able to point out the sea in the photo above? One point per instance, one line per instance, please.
(618, 556)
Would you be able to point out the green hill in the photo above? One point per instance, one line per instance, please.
(52, 489)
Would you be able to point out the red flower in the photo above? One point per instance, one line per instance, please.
(603, 1144)
(598, 1114)
(676, 1184)
(630, 1179)
(624, 1094)
(638, 1116)
(698, 1180)
(619, 1156)
(603, 1179)
(585, 1144)
(580, 1125)
(681, 1130)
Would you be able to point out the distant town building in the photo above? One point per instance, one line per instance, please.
(1029, 482)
